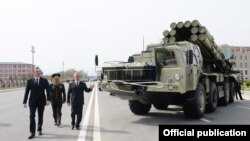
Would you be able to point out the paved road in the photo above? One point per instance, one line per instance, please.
(107, 118)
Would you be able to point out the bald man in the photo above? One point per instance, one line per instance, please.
(36, 87)
(75, 98)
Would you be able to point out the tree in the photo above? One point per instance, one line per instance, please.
(11, 81)
(83, 74)
(69, 74)
(47, 77)
(248, 83)
(1, 83)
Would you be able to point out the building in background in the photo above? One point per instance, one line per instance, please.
(241, 56)
(15, 71)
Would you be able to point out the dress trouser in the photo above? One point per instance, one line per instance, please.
(76, 110)
(40, 110)
(239, 93)
(57, 107)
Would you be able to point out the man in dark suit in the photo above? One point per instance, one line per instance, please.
(37, 99)
(58, 97)
(238, 88)
(75, 97)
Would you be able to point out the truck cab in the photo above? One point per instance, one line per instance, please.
(178, 66)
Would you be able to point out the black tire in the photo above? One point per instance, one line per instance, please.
(212, 99)
(225, 99)
(138, 108)
(232, 92)
(195, 104)
(160, 106)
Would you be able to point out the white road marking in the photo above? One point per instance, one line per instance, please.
(83, 132)
(97, 131)
(244, 107)
(205, 120)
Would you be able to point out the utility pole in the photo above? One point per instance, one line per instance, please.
(63, 71)
(33, 52)
(143, 43)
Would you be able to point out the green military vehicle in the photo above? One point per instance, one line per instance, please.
(186, 69)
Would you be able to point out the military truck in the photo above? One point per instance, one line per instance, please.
(187, 68)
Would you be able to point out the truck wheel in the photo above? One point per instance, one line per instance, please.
(195, 104)
(161, 106)
(138, 108)
(232, 92)
(225, 99)
(212, 99)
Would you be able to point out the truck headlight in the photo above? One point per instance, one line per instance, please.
(107, 86)
(170, 86)
(177, 76)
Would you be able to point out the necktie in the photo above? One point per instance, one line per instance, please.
(37, 82)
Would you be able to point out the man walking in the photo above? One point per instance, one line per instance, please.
(58, 97)
(37, 100)
(75, 97)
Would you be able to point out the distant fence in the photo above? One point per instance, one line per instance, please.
(12, 84)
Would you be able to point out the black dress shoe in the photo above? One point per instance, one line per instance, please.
(40, 133)
(73, 127)
(31, 136)
(77, 127)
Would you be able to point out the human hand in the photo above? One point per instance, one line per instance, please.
(68, 104)
(47, 103)
(25, 105)
(92, 86)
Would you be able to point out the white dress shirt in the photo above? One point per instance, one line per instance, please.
(37, 79)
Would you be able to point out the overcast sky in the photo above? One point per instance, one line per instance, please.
(74, 31)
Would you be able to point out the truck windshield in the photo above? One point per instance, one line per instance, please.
(166, 57)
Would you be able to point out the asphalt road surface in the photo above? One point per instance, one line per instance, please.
(106, 118)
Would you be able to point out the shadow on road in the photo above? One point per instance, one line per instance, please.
(5, 124)
(175, 115)
(172, 116)
(65, 126)
(47, 136)
(105, 130)
(91, 129)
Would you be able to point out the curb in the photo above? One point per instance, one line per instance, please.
(9, 90)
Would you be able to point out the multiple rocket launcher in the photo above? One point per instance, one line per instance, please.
(196, 33)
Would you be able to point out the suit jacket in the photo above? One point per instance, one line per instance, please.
(37, 93)
(58, 94)
(75, 93)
